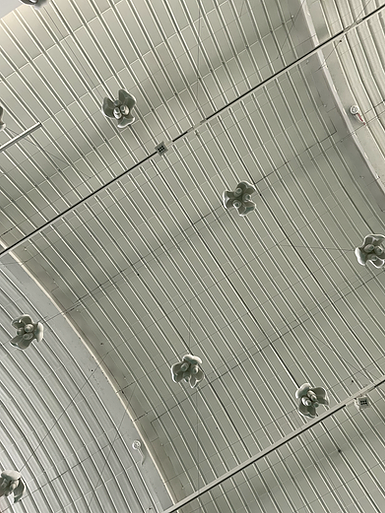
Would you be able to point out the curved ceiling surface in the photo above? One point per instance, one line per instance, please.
(153, 267)
(356, 65)
(62, 424)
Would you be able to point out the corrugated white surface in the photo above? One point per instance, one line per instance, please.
(62, 424)
(356, 64)
(329, 472)
(153, 267)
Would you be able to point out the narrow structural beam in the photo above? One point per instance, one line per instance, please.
(19, 137)
(277, 445)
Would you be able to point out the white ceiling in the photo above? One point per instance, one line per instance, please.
(63, 425)
(152, 266)
(7, 6)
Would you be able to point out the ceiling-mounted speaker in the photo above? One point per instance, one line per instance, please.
(120, 109)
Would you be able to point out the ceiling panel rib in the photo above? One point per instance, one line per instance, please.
(153, 267)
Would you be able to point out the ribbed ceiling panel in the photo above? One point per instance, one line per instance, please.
(62, 425)
(153, 266)
(324, 470)
(357, 65)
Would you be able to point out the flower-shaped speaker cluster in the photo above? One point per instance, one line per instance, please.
(310, 398)
(372, 250)
(27, 331)
(2, 124)
(10, 482)
(120, 109)
(240, 198)
(188, 370)
(36, 3)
